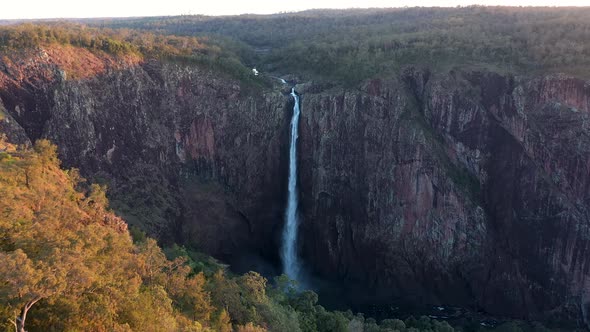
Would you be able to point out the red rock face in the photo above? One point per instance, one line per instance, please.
(468, 188)
(28, 76)
(200, 141)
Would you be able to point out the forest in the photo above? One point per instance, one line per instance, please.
(349, 46)
(345, 46)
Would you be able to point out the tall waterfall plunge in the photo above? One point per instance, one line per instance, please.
(291, 265)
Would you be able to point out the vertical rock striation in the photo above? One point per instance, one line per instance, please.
(468, 188)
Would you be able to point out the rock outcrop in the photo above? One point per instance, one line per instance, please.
(466, 188)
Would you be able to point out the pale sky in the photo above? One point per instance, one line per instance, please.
(11, 9)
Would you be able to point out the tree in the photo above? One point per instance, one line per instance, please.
(55, 252)
(255, 286)
(331, 321)
(250, 327)
(222, 322)
(25, 283)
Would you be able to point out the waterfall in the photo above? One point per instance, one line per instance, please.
(291, 266)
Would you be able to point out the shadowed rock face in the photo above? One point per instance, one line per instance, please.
(468, 188)
(383, 203)
(535, 176)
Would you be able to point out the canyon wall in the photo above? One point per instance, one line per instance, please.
(461, 188)
(468, 188)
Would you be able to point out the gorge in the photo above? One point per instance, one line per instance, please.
(461, 185)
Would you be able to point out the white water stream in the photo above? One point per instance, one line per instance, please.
(291, 264)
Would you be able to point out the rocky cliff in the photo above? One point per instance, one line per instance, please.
(466, 188)
(463, 188)
(188, 155)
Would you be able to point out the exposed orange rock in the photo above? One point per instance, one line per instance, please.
(51, 62)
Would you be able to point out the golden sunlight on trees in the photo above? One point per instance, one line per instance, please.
(70, 262)
(25, 284)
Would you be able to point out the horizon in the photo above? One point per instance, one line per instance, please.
(67, 9)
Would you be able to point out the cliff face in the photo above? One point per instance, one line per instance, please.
(191, 129)
(189, 155)
(532, 136)
(467, 188)
(383, 204)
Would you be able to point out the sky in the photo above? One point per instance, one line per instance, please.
(23, 9)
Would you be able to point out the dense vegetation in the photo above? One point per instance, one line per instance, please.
(69, 264)
(346, 46)
(352, 45)
(219, 54)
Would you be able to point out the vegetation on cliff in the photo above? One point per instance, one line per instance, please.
(220, 54)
